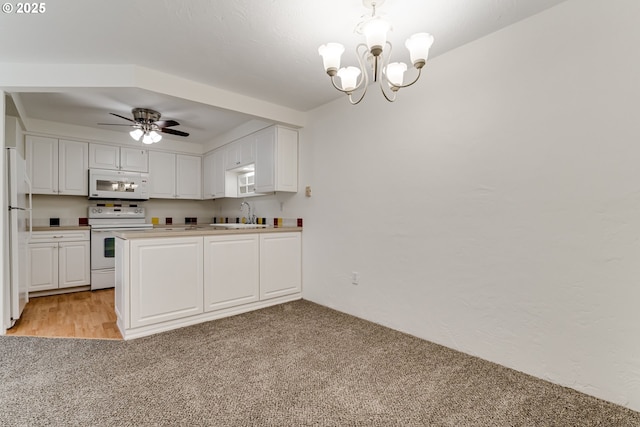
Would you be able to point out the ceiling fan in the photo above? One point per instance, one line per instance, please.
(147, 124)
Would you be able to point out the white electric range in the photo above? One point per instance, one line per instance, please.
(105, 222)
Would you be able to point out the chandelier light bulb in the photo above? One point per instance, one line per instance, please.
(419, 45)
(375, 31)
(395, 73)
(349, 77)
(136, 134)
(331, 53)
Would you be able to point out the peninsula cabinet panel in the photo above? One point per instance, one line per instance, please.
(280, 264)
(231, 270)
(166, 277)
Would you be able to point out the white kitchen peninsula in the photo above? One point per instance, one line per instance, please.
(167, 279)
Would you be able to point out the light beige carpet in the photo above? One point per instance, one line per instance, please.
(297, 364)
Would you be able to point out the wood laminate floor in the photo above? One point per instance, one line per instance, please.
(89, 314)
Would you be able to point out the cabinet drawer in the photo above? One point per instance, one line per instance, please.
(59, 236)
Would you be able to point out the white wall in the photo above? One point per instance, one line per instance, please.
(495, 207)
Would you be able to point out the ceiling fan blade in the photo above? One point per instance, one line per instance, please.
(166, 123)
(113, 124)
(122, 117)
(174, 132)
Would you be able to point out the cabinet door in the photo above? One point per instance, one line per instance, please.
(280, 264)
(265, 161)
(277, 160)
(248, 150)
(43, 266)
(188, 177)
(73, 264)
(134, 159)
(73, 168)
(286, 160)
(218, 174)
(103, 156)
(207, 176)
(165, 279)
(162, 175)
(231, 271)
(232, 155)
(42, 164)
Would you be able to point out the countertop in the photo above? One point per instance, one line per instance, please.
(63, 228)
(198, 230)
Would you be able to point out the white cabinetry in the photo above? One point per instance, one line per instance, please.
(102, 156)
(280, 264)
(58, 260)
(276, 160)
(231, 270)
(57, 166)
(175, 176)
(188, 177)
(166, 279)
(241, 152)
(214, 174)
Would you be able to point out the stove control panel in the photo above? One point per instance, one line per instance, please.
(116, 212)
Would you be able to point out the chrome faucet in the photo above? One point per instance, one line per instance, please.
(251, 219)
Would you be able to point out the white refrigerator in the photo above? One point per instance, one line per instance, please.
(19, 230)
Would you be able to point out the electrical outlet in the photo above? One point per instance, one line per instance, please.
(307, 191)
(355, 278)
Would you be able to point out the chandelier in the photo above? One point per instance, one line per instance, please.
(389, 75)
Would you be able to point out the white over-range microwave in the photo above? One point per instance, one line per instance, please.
(113, 184)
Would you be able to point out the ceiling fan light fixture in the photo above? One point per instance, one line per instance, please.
(147, 139)
(136, 134)
(155, 136)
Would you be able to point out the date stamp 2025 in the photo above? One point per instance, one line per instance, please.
(24, 8)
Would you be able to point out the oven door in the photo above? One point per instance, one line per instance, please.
(103, 249)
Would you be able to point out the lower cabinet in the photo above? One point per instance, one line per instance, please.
(280, 264)
(166, 279)
(163, 283)
(231, 271)
(58, 260)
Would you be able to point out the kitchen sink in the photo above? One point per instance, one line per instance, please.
(236, 225)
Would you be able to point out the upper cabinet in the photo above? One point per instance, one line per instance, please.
(57, 166)
(263, 162)
(104, 156)
(276, 160)
(174, 176)
(214, 174)
(241, 152)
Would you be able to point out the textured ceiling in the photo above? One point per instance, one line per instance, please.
(265, 49)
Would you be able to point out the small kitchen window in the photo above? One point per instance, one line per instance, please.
(246, 183)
